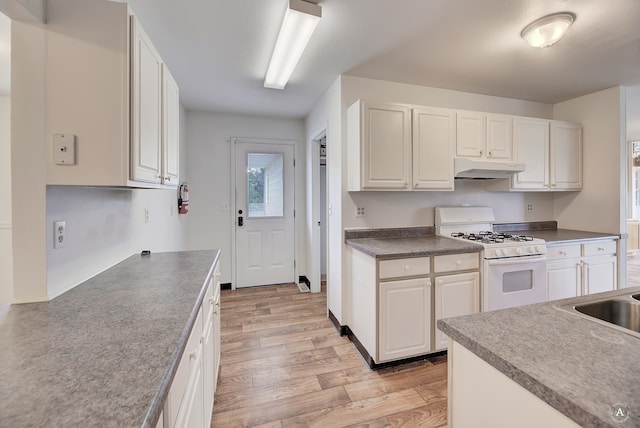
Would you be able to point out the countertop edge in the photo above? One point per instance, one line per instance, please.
(548, 395)
(157, 405)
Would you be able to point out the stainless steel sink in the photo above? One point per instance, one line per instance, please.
(623, 313)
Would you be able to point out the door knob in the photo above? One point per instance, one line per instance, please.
(240, 221)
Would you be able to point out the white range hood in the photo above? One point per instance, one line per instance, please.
(483, 168)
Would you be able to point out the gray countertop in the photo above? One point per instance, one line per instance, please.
(105, 352)
(580, 367)
(559, 236)
(389, 248)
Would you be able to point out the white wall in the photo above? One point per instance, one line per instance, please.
(208, 162)
(326, 115)
(6, 259)
(597, 207)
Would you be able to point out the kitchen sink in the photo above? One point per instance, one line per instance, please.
(620, 312)
(623, 313)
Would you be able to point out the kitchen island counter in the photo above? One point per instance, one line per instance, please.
(581, 368)
(105, 352)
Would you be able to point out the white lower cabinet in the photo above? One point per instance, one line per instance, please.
(455, 295)
(395, 306)
(405, 318)
(581, 268)
(190, 399)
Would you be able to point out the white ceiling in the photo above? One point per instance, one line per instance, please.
(218, 50)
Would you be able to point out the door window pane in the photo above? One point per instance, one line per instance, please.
(265, 191)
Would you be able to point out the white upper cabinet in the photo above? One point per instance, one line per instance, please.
(146, 111)
(107, 87)
(379, 146)
(565, 156)
(171, 129)
(531, 144)
(484, 135)
(552, 153)
(434, 138)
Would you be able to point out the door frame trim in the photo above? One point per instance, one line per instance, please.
(233, 192)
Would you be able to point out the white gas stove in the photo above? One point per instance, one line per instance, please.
(514, 268)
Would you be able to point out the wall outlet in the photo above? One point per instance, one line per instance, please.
(359, 211)
(58, 234)
(529, 207)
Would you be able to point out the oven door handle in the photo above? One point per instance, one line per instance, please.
(516, 260)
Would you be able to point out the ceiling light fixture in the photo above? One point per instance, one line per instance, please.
(547, 30)
(298, 25)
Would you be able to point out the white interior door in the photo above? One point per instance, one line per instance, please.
(264, 217)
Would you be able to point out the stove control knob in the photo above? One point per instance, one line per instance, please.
(498, 253)
(540, 250)
(518, 251)
(532, 249)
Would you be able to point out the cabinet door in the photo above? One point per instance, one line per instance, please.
(434, 138)
(564, 279)
(455, 295)
(470, 134)
(385, 147)
(565, 157)
(600, 274)
(171, 129)
(531, 146)
(146, 93)
(404, 319)
(499, 136)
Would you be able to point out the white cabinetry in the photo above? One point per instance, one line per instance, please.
(107, 86)
(405, 318)
(392, 301)
(190, 399)
(552, 152)
(581, 268)
(395, 147)
(483, 135)
(458, 293)
(434, 137)
(379, 136)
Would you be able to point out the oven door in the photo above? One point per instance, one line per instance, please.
(514, 282)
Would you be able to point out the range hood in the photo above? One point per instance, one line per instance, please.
(483, 168)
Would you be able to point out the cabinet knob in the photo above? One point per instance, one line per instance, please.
(407, 267)
(167, 178)
(481, 152)
(192, 354)
(490, 153)
(458, 262)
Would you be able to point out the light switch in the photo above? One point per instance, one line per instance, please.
(64, 149)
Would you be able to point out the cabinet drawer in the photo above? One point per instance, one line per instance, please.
(560, 252)
(455, 262)
(404, 267)
(599, 248)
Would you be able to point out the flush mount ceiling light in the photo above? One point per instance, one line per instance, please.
(547, 30)
(298, 25)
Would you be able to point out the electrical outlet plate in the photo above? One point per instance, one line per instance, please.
(359, 211)
(529, 207)
(63, 150)
(59, 228)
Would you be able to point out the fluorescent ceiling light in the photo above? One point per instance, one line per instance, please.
(547, 30)
(298, 25)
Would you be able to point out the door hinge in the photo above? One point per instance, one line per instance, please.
(294, 162)
(294, 264)
(294, 213)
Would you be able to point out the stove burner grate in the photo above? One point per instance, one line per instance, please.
(487, 237)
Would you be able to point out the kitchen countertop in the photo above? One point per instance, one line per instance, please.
(411, 246)
(559, 236)
(105, 352)
(580, 367)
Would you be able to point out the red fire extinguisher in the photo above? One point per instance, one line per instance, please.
(183, 198)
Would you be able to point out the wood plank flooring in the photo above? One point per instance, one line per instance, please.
(283, 364)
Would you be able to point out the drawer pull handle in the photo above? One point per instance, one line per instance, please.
(600, 249)
(192, 354)
(562, 253)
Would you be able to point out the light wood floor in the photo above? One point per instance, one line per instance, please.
(283, 364)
